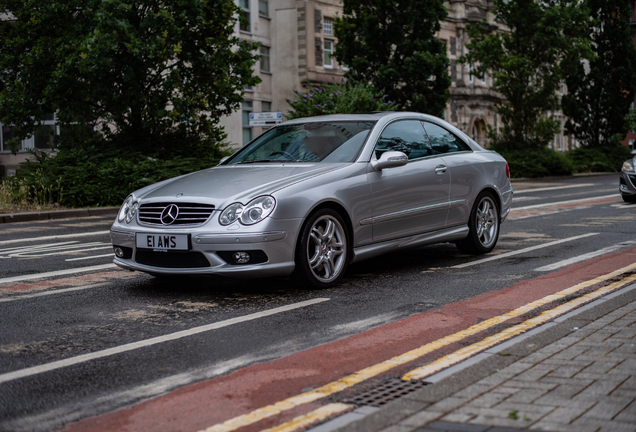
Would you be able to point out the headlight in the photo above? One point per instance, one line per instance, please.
(132, 212)
(628, 166)
(125, 208)
(257, 210)
(254, 212)
(231, 214)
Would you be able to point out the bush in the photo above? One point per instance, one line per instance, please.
(539, 162)
(598, 159)
(92, 176)
(339, 98)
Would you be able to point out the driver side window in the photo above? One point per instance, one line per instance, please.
(407, 136)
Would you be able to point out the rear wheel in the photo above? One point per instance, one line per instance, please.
(484, 226)
(322, 253)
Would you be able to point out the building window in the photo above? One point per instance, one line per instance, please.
(248, 107)
(328, 53)
(266, 106)
(246, 21)
(327, 26)
(42, 139)
(265, 59)
(470, 73)
(263, 8)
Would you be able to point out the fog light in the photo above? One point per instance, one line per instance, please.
(119, 252)
(241, 257)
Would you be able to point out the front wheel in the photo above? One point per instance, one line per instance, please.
(322, 253)
(484, 226)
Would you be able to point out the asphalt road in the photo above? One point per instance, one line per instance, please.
(127, 337)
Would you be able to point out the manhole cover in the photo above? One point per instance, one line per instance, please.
(385, 392)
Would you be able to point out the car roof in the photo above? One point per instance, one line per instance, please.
(375, 116)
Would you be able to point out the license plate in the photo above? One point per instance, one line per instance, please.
(162, 242)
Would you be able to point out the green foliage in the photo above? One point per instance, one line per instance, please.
(396, 48)
(339, 98)
(86, 177)
(598, 159)
(528, 63)
(537, 162)
(600, 93)
(155, 76)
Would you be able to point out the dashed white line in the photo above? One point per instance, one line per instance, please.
(586, 256)
(580, 200)
(47, 293)
(553, 188)
(91, 257)
(522, 251)
(22, 373)
(53, 237)
(57, 273)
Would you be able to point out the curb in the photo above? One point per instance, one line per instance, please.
(462, 375)
(58, 214)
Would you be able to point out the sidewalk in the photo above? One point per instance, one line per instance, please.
(577, 373)
(58, 214)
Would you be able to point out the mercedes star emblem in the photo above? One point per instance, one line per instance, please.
(169, 214)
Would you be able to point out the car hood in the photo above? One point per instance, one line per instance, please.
(225, 184)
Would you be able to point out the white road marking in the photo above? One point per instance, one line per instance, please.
(22, 373)
(585, 256)
(57, 273)
(580, 200)
(53, 237)
(91, 257)
(553, 188)
(46, 293)
(54, 249)
(522, 251)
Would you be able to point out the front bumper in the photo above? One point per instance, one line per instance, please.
(272, 251)
(627, 184)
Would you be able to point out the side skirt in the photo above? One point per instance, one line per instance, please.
(446, 235)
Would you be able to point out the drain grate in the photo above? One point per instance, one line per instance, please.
(385, 392)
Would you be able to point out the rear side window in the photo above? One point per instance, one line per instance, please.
(443, 141)
(406, 136)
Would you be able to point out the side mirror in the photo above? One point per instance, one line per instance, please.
(390, 159)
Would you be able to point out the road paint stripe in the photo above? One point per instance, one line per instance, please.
(36, 247)
(57, 273)
(22, 373)
(522, 251)
(377, 369)
(61, 236)
(91, 257)
(576, 201)
(586, 256)
(46, 293)
(553, 188)
(317, 416)
(469, 351)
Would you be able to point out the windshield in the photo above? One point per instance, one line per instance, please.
(308, 142)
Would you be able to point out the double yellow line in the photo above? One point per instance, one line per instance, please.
(436, 366)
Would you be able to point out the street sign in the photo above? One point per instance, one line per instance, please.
(266, 118)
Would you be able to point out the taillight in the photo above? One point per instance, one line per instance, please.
(507, 170)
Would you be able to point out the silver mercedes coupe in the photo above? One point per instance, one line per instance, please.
(313, 195)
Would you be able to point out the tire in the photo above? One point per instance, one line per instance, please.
(322, 253)
(629, 198)
(483, 225)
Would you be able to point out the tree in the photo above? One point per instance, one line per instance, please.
(528, 64)
(151, 75)
(393, 44)
(338, 98)
(600, 92)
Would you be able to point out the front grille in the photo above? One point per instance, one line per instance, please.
(189, 213)
(172, 259)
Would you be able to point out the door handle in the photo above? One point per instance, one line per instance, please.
(441, 169)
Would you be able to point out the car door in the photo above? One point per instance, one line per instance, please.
(413, 198)
(463, 171)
